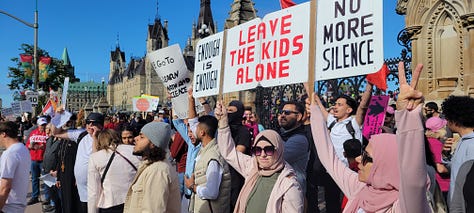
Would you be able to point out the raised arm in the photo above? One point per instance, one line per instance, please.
(191, 105)
(320, 105)
(241, 162)
(411, 146)
(364, 104)
(345, 178)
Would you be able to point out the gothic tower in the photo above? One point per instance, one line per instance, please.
(241, 11)
(442, 36)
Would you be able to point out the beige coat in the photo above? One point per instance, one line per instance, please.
(155, 189)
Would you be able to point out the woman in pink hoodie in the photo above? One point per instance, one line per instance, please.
(270, 182)
(392, 175)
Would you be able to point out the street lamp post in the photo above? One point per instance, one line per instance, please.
(35, 47)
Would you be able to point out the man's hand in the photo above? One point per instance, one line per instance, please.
(190, 92)
(409, 98)
(221, 114)
(189, 183)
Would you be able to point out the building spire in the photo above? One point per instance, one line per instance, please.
(205, 23)
(65, 58)
(241, 12)
(118, 41)
(157, 16)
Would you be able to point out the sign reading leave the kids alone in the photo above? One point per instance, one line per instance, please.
(270, 51)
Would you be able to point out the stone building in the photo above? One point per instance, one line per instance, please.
(442, 36)
(137, 77)
(241, 11)
(82, 95)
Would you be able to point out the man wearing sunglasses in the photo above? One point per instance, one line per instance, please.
(94, 123)
(292, 131)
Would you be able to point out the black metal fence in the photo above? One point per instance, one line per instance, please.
(268, 101)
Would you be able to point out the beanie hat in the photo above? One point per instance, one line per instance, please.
(159, 133)
(435, 123)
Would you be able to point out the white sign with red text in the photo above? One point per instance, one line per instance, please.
(169, 64)
(271, 51)
(349, 38)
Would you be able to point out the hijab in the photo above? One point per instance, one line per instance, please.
(383, 183)
(274, 138)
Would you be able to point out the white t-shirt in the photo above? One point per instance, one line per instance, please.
(84, 150)
(15, 164)
(339, 135)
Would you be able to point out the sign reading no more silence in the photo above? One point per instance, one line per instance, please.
(349, 39)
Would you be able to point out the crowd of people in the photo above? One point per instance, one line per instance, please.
(223, 160)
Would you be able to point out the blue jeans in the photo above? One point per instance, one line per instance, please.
(36, 170)
(181, 183)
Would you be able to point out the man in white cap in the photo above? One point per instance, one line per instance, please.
(36, 143)
(156, 186)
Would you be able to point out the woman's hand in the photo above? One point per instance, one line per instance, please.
(409, 98)
(221, 114)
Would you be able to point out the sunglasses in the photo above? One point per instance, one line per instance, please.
(365, 157)
(288, 112)
(269, 150)
(95, 123)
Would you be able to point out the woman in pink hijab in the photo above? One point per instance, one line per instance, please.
(270, 182)
(392, 173)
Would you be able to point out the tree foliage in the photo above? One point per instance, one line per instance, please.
(57, 72)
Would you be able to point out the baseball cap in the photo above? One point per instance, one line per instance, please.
(41, 121)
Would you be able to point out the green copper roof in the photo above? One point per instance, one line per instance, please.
(65, 58)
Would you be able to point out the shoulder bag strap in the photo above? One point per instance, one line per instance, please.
(107, 168)
(131, 164)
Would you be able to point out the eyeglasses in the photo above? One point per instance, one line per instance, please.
(95, 123)
(365, 157)
(428, 110)
(269, 150)
(288, 112)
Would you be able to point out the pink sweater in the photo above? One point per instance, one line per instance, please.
(413, 174)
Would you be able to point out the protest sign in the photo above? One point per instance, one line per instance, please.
(65, 89)
(16, 107)
(145, 103)
(169, 64)
(207, 65)
(349, 38)
(375, 116)
(271, 51)
(8, 114)
(26, 106)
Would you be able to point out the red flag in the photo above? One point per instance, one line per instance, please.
(379, 78)
(286, 3)
(48, 109)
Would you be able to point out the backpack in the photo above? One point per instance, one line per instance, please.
(349, 128)
(81, 136)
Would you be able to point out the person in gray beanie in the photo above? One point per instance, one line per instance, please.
(155, 188)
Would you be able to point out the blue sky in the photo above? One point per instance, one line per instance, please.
(89, 29)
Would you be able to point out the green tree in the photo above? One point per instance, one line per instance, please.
(55, 80)
(57, 73)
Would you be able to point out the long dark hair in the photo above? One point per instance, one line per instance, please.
(154, 154)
